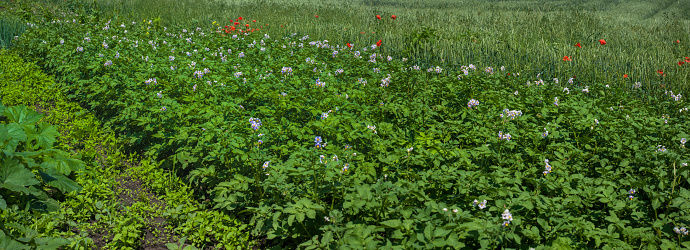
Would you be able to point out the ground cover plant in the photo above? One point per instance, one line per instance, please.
(315, 144)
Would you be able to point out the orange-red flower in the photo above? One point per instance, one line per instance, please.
(237, 23)
(625, 75)
(660, 72)
(226, 26)
(566, 58)
(677, 41)
(247, 25)
(349, 45)
(378, 17)
(316, 16)
(393, 16)
(378, 44)
(578, 45)
(687, 59)
(240, 18)
(602, 42)
(681, 63)
(253, 20)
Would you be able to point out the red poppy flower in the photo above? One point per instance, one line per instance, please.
(625, 76)
(231, 21)
(681, 63)
(602, 42)
(240, 18)
(660, 72)
(677, 41)
(378, 44)
(349, 45)
(316, 16)
(247, 25)
(378, 17)
(393, 16)
(566, 58)
(226, 26)
(237, 23)
(578, 45)
(687, 59)
(253, 20)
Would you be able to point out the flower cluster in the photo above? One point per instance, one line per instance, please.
(508, 217)
(325, 115)
(373, 128)
(386, 81)
(660, 148)
(345, 168)
(151, 80)
(586, 89)
(265, 166)
(108, 63)
(631, 192)
(317, 141)
(256, 123)
(682, 142)
(682, 230)
(472, 103)
(637, 85)
(481, 205)
(320, 83)
(545, 134)
(502, 136)
(511, 114)
(555, 101)
(548, 167)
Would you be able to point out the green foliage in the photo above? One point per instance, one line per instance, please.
(337, 162)
(411, 180)
(10, 27)
(30, 166)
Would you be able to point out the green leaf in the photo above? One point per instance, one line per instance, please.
(51, 242)
(439, 242)
(428, 231)
(64, 165)
(58, 180)
(392, 223)
(14, 173)
(3, 203)
(11, 134)
(20, 114)
(9, 243)
(45, 135)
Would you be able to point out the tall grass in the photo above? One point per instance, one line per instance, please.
(522, 35)
(10, 27)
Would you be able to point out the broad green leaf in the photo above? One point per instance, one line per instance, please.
(51, 242)
(14, 173)
(23, 116)
(45, 135)
(62, 164)
(11, 134)
(58, 180)
(392, 223)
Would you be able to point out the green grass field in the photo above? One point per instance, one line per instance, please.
(161, 125)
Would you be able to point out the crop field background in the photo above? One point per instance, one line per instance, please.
(344, 124)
